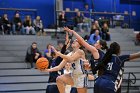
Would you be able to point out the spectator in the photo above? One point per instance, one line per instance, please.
(17, 25)
(28, 25)
(94, 38)
(48, 52)
(79, 22)
(6, 24)
(32, 54)
(62, 19)
(1, 26)
(86, 11)
(93, 29)
(105, 32)
(137, 41)
(38, 25)
(97, 25)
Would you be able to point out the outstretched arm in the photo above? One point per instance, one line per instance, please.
(134, 56)
(78, 54)
(89, 47)
(56, 68)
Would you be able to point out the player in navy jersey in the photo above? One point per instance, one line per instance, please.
(52, 87)
(113, 64)
(100, 45)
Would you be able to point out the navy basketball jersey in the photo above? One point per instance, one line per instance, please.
(114, 69)
(55, 74)
(110, 80)
(94, 62)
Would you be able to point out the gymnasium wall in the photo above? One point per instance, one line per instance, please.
(45, 9)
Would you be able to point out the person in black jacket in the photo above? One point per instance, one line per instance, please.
(32, 54)
(62, 19)
(6, 24)
(17, 25)
(28, 25)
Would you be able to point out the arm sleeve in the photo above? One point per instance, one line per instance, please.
(124, 58)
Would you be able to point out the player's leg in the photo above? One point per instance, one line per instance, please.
(82, 90)
(62, 81)
(81, 82)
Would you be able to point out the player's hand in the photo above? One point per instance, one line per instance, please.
(44, 70)
(68, 30)
(52, 47)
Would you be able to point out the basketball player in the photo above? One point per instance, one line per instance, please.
(113, 63)
(78, 77)
(52, 88)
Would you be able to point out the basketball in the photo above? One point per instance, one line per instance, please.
(42, 63)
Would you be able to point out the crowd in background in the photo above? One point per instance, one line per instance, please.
(19, 26)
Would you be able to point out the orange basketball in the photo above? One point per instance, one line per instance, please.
(42, 63)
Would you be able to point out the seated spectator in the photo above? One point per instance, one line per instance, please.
(78, 21)
(105, 32)
(38, 25)
(17, 25)
(32, 54)
(86, 11)
(48, 52)
(62, 19)
(97, 25)
(94, 38)
(137, 41)
(6, 24)
(1, 26)
(29, 25)
(93, 29)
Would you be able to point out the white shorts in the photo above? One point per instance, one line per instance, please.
(80, 81)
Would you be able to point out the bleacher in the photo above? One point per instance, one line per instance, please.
(15, 77)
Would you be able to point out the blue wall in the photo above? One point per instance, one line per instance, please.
(45, 9)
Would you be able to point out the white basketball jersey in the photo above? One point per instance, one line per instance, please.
(77, 66)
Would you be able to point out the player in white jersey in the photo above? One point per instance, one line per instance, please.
(78, 77)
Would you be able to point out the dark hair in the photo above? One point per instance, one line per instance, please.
(86, 4)
(48, 45)
(114, 49)
(53, 54)
(34, 43)
(103, 44)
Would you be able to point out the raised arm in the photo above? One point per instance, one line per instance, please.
(89, 47)
(78, 54)
(134, 56)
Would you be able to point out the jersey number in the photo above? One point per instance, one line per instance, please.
(109, 66)
(73, 66)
